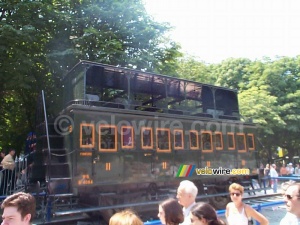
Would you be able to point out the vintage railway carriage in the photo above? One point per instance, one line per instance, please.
(123, 135)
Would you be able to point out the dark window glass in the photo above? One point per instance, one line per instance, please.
(193, 140)
(163, 140)
(108, 138)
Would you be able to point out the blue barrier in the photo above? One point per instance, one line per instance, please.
(257, 207)
(295, 178)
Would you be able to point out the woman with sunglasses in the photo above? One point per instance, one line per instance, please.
(239, 213)
(204, 214)
(170, 212)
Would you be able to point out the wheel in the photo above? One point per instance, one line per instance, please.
(152, 192)
(219, 202)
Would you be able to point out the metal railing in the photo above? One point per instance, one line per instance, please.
(15, 180)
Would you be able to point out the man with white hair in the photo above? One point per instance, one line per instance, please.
(274, 175)
(186, 195)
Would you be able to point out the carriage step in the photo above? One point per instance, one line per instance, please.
(59, 178)
(62, 195)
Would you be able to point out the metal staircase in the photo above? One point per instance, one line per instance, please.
(51, 175)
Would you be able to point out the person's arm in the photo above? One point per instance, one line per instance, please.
(250, 212)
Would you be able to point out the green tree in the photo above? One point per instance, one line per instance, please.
(192, 69)
(232, 73)
(41, 40)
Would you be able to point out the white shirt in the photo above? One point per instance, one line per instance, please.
(8, 162)
(186, 214)
(237, 218)
(289, 219)
(297, 171)
(273, 173)
(291, 170)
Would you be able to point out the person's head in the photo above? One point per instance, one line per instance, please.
(236, 192)
(267, 166)
(125, 217)
(18, 209)
(2, 154)
(12, 152)
(186, 193)
(170, 212)
(284, 186)
(274, 166)
(204, 214)
(292, 199)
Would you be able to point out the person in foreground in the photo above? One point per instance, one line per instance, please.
(292, 200)
(125, 217)
(18, 209)
(170, 212)
(204, 214)
(239, 213)
(186, 195)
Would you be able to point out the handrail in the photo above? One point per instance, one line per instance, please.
(47, 132)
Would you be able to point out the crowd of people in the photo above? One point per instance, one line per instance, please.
(270, 174)
(19, 209)
(10, 170)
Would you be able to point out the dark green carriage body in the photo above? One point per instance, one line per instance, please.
(129, 134)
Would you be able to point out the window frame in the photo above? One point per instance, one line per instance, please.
(233, 140)
(182, 139)
(122, 137)
(151, 136)
(115, 141)
(197, 140)
(93, 135)
(221, 138)
(244, 137)
(169, 139)
(202, 142)
(252, 140)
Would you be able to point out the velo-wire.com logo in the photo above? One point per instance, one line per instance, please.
(188, 170)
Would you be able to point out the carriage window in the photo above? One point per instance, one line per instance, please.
(194, 139)
(241, 142)
(87, 137)
(218, 140)
(178, 139)
(251, 144)
(163, 140)
(206, 141)
(107, 138)
(127, 137)
(230, 141)
(147, 138)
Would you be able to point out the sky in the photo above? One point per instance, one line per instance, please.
(214, 30)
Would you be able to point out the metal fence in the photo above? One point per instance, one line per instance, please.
(15, 180)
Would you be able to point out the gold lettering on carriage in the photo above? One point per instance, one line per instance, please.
(221, 171)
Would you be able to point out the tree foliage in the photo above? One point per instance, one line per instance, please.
(41, 40)
(268, 94)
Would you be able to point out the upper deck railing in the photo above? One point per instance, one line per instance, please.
(110, 86)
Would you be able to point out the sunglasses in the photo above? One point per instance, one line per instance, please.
(289, 197)
(236, 194)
